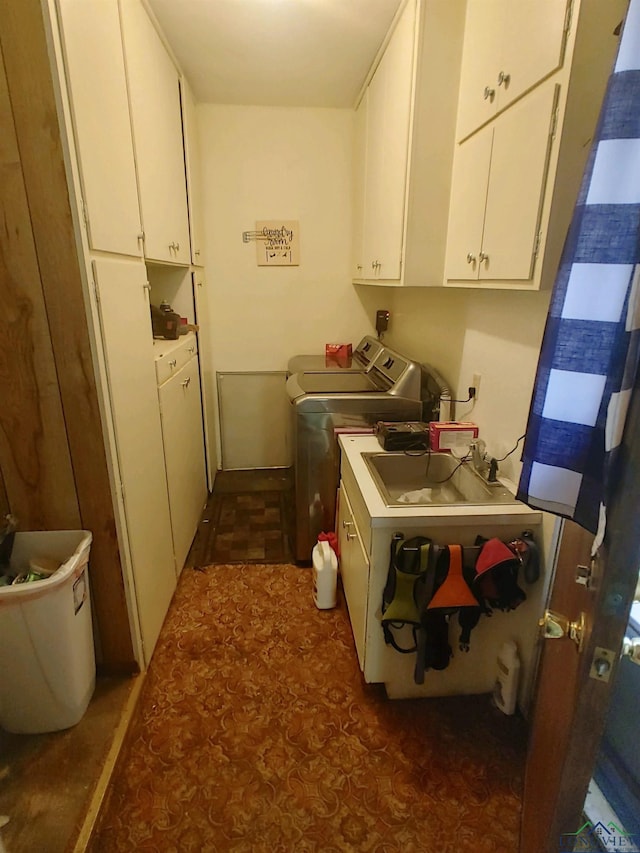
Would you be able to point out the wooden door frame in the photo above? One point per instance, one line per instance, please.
(615, 575)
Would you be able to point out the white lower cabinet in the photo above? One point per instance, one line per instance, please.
(182, 434)
(121, 286)
(366, 528)
(354, 572)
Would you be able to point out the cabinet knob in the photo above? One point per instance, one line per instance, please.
(359, 267)
(177, 247)
(172, 363)
(346, 524)
(489, 93)
(471, 259)
(197, 252)
(482, 257)
(504, 79)
(352, 535)
(186, 382)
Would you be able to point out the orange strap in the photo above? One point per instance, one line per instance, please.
(453, 591)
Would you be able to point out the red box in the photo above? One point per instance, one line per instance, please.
(446, 435)
(339, 354)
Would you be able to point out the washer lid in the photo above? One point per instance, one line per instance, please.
(335, 383)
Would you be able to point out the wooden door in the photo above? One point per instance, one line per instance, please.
(467, 206)
(157, 130)
(94, 66)
(519, 163)
(128, 349)
(571, 704)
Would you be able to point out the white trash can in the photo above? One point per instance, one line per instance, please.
(47, 661)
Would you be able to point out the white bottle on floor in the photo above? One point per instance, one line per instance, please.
(505, 692)
(325, 575)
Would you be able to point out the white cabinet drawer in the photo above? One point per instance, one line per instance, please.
(171, 356)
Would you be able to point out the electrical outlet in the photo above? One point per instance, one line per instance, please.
(475, 383)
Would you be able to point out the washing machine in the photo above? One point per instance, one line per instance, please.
(361, 360)
(325, 404)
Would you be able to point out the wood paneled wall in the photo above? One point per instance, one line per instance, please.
(52, 451)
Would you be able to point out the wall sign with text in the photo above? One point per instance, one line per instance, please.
(277, 242)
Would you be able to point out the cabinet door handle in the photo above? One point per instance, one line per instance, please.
(489, 93)
(471, 259)
(186, 382)
(504, 79)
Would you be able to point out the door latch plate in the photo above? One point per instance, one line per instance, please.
(602, 664)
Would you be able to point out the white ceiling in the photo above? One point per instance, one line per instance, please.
(313, 53)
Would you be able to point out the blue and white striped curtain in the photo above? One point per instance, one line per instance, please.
(590, 349)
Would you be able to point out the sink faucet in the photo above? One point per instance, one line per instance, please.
(478, 452)
(485, 465)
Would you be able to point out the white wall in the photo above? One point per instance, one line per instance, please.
(269, 163)
(494, 333)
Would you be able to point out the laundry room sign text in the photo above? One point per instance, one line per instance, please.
(277, 242)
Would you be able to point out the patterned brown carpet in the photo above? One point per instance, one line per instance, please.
(256, 733)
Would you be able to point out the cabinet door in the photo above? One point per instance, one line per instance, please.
(389, 114)
(128, 350)
(519, 161)
(94, 65)
(374, 171)
(467, 206)
(359, 178)
(509, 47)
(483, 36)
(194, 176)
(533, 46)
(207, 372)
(354, 571)
(157, 130)
(181, 412)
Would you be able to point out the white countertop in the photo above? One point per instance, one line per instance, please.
(353, 446)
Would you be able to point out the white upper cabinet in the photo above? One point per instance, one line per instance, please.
(520, 153)
(509, 48)
(496, 196)
(359, 162)
(407, 148)
(154, 92)
(94, 68)
(388, 115)
(194, 174)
